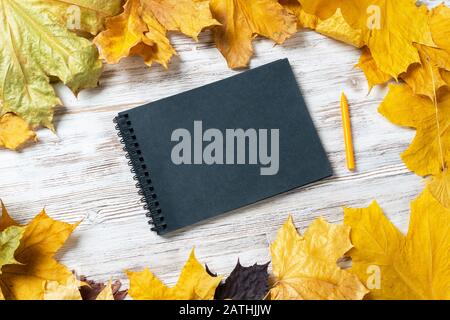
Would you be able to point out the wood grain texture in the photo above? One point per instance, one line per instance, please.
(81, 173)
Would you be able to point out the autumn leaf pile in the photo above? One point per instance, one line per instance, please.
(410, 44)
(385, 263)
(28, 269)
(403, 45)
(37, 49)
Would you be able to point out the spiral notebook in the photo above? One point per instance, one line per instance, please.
(223, 146)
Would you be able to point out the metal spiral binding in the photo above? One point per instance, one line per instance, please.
(136, 161)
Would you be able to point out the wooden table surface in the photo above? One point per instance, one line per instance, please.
(81, 172)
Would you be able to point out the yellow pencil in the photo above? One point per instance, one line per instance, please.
(347, 133)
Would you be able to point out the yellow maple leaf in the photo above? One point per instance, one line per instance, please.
(305, 267)
(439, 187)
(36, 48)
(445, 76)
(14, 132)
(41, 239)
(368, 65)
(141, 29)
(425, 78)
(440, 26)
(336, 27)
(54, 290)
(5, 220)
(394, 266)
(429, 153)
(304, 19)
(194, 284)
(123, 32)
(243, 20)
(106, 293)
(82, 15)
(70, 290)
(387, 26)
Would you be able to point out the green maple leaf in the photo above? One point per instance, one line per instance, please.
(36, 47)
(9, 242)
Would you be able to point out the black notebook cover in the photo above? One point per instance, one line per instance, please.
(265, 103)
